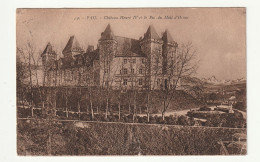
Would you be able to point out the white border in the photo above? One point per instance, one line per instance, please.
(7, 83)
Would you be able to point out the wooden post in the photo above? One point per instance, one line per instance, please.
(67, 115)
(106, 107)
(32, 102)
(119, 110)
(79, 102)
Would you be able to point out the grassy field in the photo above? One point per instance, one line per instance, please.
(40, 137)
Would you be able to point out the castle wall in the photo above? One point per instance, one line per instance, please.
(148, 68)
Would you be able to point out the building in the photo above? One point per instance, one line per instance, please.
(117, 62)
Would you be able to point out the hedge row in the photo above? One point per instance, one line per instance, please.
(170, 120)
(232, 120)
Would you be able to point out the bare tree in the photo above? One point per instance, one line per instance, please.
(134, 86)
(90, 79)
(152, 68)
(185, 64)
(120, 90)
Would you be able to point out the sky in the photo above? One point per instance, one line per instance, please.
(218, 34)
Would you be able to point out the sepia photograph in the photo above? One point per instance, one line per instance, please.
(131, 81)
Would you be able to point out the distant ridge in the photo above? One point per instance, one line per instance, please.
(214, 80)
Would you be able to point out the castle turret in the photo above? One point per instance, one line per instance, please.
(90, 48)
(107, 51)
(151, 46)
(48, 56)
(72, 48)
(168, 52)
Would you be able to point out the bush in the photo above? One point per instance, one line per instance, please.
(37, 112)
(73, 116)
(130, 118)
(159, 120)
(60, 113)
(240, 106)
(85, 117)
(205, 108)
(171, 120)
(221, 109)
(24, 113)
(152, 120)
(113, 118)
(183, 120)
(142, 119)
(124, 119)
(191, 121)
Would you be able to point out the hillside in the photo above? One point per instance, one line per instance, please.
(180, 100)
(95, 138)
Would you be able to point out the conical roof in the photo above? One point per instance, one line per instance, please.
(151, 33)
(107, 34)
(72, 45)
(48, 49)
(167, 37)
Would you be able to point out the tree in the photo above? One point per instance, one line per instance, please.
(185, 65)
(240, 106)
(29, 58)
(213, 97)
(153, 67)
(21, 75)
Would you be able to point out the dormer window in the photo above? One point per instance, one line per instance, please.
(106, 71)
(125, 82)
(140, 71)
(124, 71)
(80, 61)
(140, 82)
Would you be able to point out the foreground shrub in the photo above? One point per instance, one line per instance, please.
(24, 112)
(205, 108)
(118, 139)
(85, 117)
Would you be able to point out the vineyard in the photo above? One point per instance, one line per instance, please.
(49, 137)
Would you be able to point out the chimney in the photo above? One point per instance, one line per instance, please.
(90, 48)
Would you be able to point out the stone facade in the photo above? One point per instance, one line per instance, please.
(118, 62)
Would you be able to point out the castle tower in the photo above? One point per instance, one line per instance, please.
(107, 50)
(168, 52)
(72, 48)
(151, 46)
(48, 56)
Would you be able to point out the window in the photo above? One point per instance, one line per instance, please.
(125, 71)
(125, 61)
(106, 83)
(124, 91)
(80, 61)
(71, 75)
(158, 82)
(134, 61)
(140, 71)
(140, 81)
(132, 70)
(106, 71)
(125, 82)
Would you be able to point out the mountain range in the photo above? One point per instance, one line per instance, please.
(214, 80)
